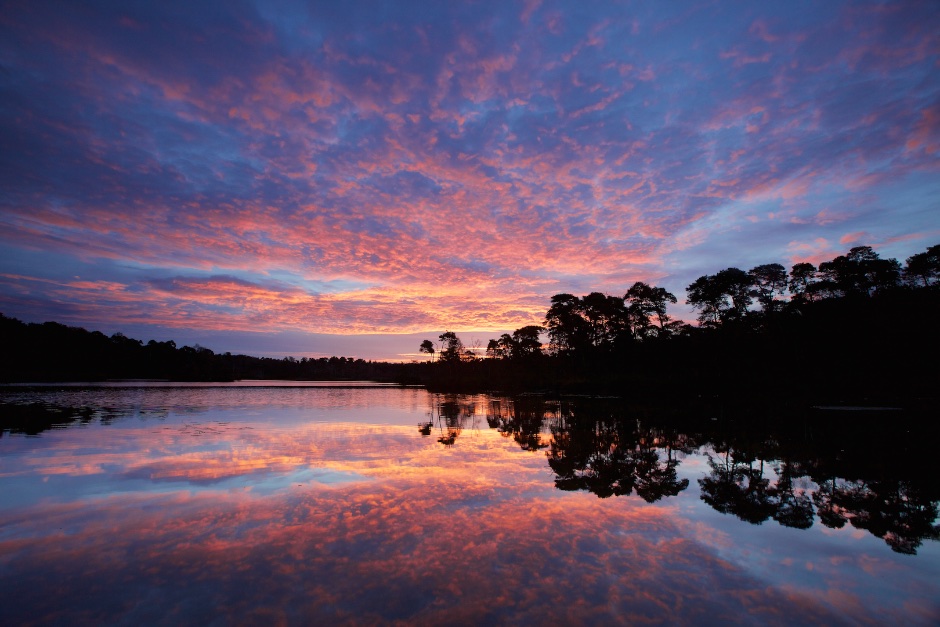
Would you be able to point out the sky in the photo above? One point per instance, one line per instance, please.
(349, 178)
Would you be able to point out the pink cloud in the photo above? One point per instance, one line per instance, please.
(854, 238)
(760, 29)
(814, 252)
(530, 7)
(926, 134)
(740, 59)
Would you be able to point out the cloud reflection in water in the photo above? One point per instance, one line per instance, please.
(248, 520)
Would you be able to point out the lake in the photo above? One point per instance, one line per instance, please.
(152, 503)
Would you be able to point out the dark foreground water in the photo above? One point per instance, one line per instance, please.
(305, 505)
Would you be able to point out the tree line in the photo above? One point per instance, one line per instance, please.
(856, 325)
(857, 322)
(600, 322)
(51, 351)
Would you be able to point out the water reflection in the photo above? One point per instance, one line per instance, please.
(896, 502)
(611, 455)
(735, 486)
(894, 510)
(450, 414)
(594, 445)
(521, 419)
(600, 446)
(300, 511)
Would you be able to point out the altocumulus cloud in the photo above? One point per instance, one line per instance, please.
(451, 166)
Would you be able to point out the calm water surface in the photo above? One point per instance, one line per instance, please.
(156, 504)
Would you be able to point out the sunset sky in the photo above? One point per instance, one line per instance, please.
(348, 178)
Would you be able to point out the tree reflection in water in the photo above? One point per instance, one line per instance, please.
(593, 448)
(794, 507)
(656, 477)
(832, 470)
(798, 471)
(522, 420)
(452, 413)
(789, 476)
(735, 486)
(894, 510)
(592, 454)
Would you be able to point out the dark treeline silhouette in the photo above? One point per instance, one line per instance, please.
(55, 352)
(856, 326)
(837, 468)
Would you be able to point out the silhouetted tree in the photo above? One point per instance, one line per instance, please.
(923, 268)
(647, 303)
(769, 280)
(499, 349)
(525, 342)
(706, 296)
(567, 329)
(737, 285)
(802, 279)
(596, 321)
(721, 298)
(452, 349)
(607, 318)
(860, 272)
(427, 346)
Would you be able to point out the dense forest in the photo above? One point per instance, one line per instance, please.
(856, 326)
